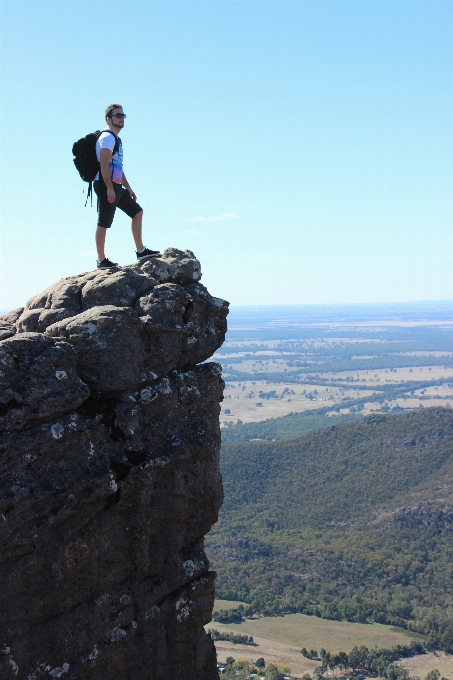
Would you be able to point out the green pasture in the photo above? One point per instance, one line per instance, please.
(227, 604)
(313, 633)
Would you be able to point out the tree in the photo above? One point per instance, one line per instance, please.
(260, 663)
(334, 661)
(343, 661)
(229, 661)
(358, 658)
(272, 672)
(397, 673)
(433, 675)
(283, 669)
(326, 660)
(447, 640)
(312, 654)
(391, 672)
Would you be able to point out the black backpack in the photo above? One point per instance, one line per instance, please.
(85, 159)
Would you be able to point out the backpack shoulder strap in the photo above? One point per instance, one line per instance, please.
(117, 140)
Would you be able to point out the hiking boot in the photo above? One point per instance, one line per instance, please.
(145, 254)
(106, 264)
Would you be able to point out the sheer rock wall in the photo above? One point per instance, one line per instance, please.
(109, 475)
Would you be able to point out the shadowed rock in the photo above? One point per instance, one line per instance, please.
(109, 475)
(37, 380)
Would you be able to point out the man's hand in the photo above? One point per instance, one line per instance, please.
(111, 196)
(127, 186)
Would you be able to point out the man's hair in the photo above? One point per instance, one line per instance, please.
(112, 107)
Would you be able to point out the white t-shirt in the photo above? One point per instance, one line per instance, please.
(106, 140)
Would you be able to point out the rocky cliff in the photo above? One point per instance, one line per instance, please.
(109, 475)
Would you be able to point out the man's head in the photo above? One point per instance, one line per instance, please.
(114, 116)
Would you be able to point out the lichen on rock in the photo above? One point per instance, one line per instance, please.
(109, 447)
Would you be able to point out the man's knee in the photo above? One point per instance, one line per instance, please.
(138, 215)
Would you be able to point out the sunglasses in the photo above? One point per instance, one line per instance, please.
(119, 115)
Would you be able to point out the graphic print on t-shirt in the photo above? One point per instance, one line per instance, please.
(106, 140)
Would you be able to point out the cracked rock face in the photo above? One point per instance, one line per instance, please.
(109, 475)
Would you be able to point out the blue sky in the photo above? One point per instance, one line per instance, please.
(302, 150)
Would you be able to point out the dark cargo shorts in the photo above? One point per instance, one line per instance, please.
(106, 210)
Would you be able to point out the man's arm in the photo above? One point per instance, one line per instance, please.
(127, 186)
(106, 155)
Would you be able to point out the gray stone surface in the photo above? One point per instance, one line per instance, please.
(155, 314)
(109, 476)
(37, 380)
(12, 316)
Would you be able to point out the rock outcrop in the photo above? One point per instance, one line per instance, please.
(110, 475)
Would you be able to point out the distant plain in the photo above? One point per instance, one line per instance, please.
(279, 361)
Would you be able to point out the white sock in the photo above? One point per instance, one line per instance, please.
(141, 251)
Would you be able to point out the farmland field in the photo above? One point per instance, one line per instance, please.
(271, 650)
(311, 632)
(226, 604)
(278, 362)
(280, 639)
(424, 663)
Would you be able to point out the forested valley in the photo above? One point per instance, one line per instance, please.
(353, 521)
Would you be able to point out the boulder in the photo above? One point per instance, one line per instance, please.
(133, 324)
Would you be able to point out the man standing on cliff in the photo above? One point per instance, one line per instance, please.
(113, 190)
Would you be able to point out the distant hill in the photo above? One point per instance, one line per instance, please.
(346, 473)
(352, 521)
(285, 427)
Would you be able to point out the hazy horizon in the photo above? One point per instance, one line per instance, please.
(413, 309)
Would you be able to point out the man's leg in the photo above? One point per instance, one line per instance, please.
(100, 242)
(135, 212)
(136, 226)
(106, 212)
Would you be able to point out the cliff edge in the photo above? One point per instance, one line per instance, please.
(109, 475)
